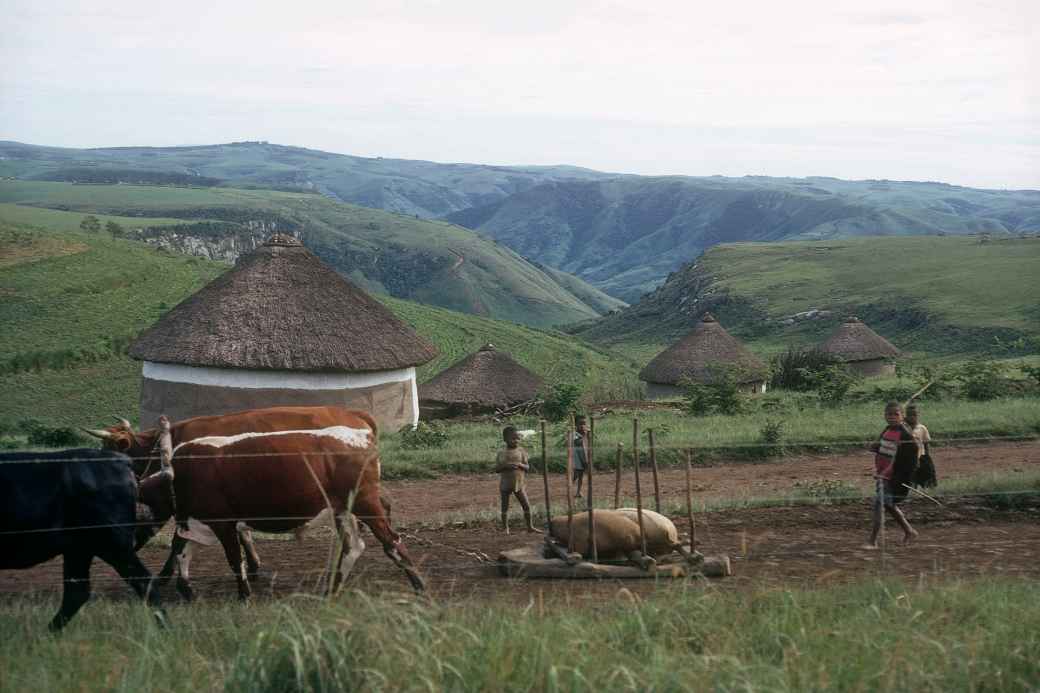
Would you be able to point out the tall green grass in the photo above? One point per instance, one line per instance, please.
(955, 636)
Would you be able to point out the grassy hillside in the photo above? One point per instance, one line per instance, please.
(71, 299)
(929, 295)
(432, 262)
(423, 188)
(626, 234)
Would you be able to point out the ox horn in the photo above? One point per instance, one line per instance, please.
(123, 423)
(99, 433)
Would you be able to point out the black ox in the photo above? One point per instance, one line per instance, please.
(77, 504)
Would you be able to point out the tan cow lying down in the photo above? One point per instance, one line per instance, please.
(617, 533)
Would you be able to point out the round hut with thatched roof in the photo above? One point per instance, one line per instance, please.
(694, 357)
(486, 380)
(862, 349)
(280, 329)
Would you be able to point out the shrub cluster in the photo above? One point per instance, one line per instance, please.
(721, 394)
(423, 435)
(560, 401)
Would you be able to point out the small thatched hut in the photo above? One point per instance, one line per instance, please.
(693, 356)
(483, 381)
(864, 350)
(280, 329)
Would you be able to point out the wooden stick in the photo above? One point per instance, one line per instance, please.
(570, 489)
(589, 442)
(639, 493)
(617, 477)
(545, 478)
(689, 500)
(653, 468)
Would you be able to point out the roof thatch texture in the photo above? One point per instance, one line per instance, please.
(281, 308)
(691, 357)
(487, 378)
(854, 341)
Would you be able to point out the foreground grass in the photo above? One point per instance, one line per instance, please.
(960, 636)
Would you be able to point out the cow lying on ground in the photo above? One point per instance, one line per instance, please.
(272, 470)
(617, 534)
(77, 504)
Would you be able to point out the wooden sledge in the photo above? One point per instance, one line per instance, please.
(528, 562)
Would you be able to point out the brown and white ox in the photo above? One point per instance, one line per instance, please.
(273, 470)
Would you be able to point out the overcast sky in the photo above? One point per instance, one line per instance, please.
(943, 90)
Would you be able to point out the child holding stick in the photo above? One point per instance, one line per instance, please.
(894, 463)
(512, 465)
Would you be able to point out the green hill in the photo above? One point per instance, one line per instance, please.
(625, 235)
(71, 300)
(428, 261)
(423, 188)
(928, 295)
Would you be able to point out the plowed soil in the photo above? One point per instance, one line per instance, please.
(795, 545)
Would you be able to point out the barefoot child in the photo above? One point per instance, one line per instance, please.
(894, 464)
(512, 466)
(925, 474)
(581, 437)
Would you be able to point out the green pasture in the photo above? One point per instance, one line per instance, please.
(876, 635)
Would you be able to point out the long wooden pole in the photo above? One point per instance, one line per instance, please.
(617, 477)
(639, 493)
(545, 478)
(570, 489)
(590, 441)
(689, 501)
(653, 468)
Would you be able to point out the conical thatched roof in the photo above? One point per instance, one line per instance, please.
(281, 308)
(690, 357)
(488, 377)
(854, 341)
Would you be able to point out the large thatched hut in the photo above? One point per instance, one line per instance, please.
(280, 328)
(486, 380)
(864, 350)
(694, 356)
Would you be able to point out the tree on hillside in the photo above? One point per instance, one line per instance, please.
(90, 224)
(115, 229)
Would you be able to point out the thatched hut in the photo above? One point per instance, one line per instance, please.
(864, 350)
(694, 356)
(483, 381)
(280, 329)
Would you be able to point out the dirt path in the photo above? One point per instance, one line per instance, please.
(434, 500)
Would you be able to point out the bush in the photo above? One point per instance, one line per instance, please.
(423, 435)
(721, 394)
(833, 383)
(982, 380)
(42, 435)
(561, 401)
(796, 369)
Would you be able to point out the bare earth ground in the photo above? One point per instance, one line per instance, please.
(779, 546)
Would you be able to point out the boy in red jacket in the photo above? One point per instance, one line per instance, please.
(895, 460)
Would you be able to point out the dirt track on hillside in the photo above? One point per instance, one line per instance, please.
(776, 546)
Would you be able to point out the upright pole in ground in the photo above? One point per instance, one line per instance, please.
(570, 490)
(617, 477)
(689, 500)
(589, 442)
(545, 477)
(653, 468)
(639, 492)
(880, 493)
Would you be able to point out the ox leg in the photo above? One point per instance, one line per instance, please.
(371, 510)
(227, 533)
(182, 561)
(134, 572)
(351, 548)
(245, 535)
(76, 590)
(176, 547)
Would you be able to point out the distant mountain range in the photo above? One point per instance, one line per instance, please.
(621, 233)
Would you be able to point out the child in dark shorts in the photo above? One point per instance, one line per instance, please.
(895, 460)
